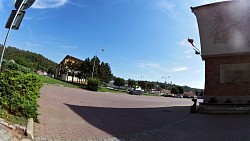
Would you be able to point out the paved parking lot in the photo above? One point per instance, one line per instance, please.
(68, 113)
(75, 114)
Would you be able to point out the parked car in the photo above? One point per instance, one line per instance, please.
(135, 92)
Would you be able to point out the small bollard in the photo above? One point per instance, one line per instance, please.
(193, 108)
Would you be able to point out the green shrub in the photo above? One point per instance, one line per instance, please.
(11, 65)
(19, 93)
(93, 84)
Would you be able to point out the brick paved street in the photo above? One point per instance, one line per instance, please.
(75, 114)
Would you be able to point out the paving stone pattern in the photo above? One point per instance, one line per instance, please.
(79, 115)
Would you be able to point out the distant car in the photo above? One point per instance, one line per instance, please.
(135, 92)
(200, 97)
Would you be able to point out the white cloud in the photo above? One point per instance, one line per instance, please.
(167, 7)
(183, 42)
(189, 51)
(68, 47)
(32, 44)
(164, 6)
(42, 4)
(77, 5)
(197, 71)
(177, 69)
(65, 46)
(189, 56)
(145, 64)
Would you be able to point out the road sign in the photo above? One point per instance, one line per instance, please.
(17, 22)
(27, 4)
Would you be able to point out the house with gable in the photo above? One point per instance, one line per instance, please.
(67, 73)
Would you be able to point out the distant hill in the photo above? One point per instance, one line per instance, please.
(29, 59)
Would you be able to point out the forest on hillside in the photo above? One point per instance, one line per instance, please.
(29, 59)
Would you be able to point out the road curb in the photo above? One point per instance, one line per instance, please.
(30, 129)
(12, 126)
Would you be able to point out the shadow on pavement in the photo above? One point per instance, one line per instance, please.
(124, 121)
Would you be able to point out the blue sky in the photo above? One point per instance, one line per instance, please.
(142, 39)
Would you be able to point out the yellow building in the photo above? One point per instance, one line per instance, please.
(63, 70)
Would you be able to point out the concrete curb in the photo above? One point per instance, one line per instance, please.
(13, 127)
(30, 129)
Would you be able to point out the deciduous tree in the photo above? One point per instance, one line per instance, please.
(119, 82)
(131, 83)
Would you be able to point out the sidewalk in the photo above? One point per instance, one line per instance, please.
(4, 134)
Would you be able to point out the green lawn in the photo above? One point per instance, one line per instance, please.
(49, 80)
(13, 119)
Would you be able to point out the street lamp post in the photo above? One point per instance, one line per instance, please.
(142, 76)
(14, 20)
(165, 80)
(94, 65)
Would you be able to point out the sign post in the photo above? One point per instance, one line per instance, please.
(15, 20)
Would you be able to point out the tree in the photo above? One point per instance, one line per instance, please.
(174, 90)
(131, 83)
(29, 59)
(142, 84)
(95, 64)
(74, 69)
(180, 89)
(104, 72)
(86, 68)
(150, 86)
(119, 82)
(158, 88)
(162, 85)
(69, 67)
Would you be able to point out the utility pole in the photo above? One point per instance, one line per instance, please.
(93, 69)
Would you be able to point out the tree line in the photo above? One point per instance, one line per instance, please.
(29, 59)
(86, 68)
(157, 86)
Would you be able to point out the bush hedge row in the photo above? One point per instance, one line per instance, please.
(93, 84)
(19, 93)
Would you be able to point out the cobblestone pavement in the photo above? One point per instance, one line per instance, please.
(74, 114)
(4, 134)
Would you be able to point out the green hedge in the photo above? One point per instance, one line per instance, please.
(93, 84)
(19, 93)
(11, 65)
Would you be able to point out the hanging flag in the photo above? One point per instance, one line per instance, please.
(102, 49)
(191, 41)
